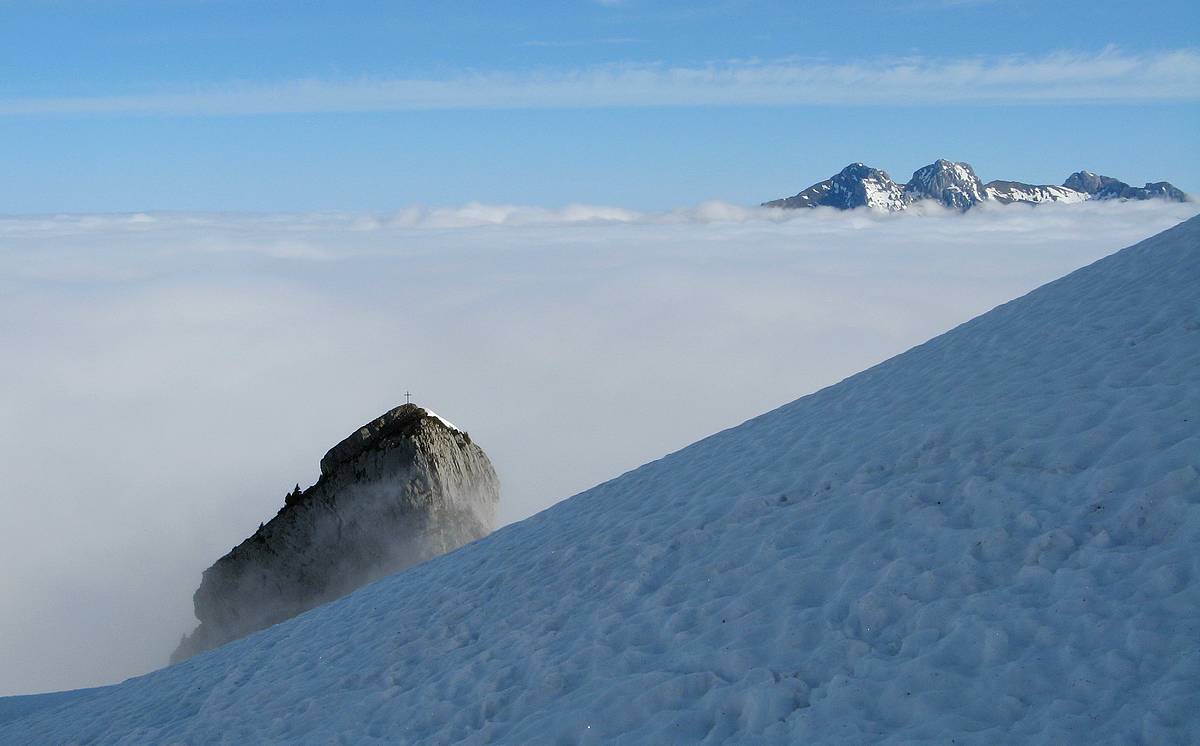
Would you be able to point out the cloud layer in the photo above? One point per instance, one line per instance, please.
(169, 377)
(1107, 76)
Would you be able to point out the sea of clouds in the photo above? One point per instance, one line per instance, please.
(168, 377)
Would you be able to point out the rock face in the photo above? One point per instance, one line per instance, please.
(1090, 183)
(1106, 187)
(955, 186)
(403, 489)
(856, 185)
(950, 184)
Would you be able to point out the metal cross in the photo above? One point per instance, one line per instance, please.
(407, 398)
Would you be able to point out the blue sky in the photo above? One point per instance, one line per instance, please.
(210, 105)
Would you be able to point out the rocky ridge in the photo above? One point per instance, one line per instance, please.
(1106, 187)
(404, 488)
(954, 185)
(1006, 192)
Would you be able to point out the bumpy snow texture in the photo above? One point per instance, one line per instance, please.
(992, 538)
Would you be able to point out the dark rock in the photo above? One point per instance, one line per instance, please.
(1164, 190)
(403, 489)
(1090, 183)
(1106, 187)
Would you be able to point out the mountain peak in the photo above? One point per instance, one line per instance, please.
(949, 183)
(856, 185)
(1090, 183)
(954, 184)
(403, 488)
(395, 422)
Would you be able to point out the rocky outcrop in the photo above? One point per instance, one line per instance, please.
(403, 489)
(1106, 187)
(955, 186)
(950, 184)
(1090, 183)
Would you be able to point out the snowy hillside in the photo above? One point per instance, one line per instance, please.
(991, 538)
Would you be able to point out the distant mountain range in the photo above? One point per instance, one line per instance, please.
(955, 185)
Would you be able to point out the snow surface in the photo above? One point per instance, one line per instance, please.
(1013, 192)
(441, 419)
(883, 194)
(991, 538)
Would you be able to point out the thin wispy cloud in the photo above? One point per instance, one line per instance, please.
(926, 4)
(568, 43)
(1065, 77)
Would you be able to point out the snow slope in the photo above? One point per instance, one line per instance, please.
(991, 538)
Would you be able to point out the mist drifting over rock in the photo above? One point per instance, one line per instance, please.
(404, 488)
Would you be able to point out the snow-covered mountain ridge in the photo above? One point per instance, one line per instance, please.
(989, 538)
(955, 186)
